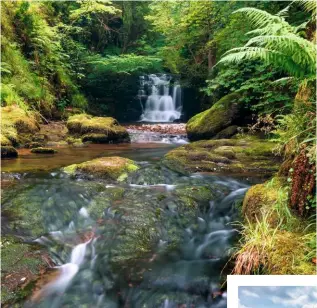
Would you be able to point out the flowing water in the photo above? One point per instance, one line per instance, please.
(160, 239)
(163, 101)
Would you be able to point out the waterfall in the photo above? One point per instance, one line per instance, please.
(67, 271)
(160, 105)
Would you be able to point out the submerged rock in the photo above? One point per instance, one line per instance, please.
(42, 150)
(8, 152)
(207, 124)
(97, 129)
(223, 155)
(111, 168)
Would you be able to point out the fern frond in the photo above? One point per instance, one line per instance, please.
(283, 13)
(300, 50)
(270, 56)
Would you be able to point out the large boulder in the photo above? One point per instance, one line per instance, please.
(207, 124)
(97, 129)
(224, 155)
(110, 168)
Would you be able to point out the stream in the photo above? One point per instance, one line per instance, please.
(160, 239)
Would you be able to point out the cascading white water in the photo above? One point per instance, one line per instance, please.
(160, 105)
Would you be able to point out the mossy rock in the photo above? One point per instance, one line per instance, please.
(42, 150)
(8, 152)
(258, 200)
(68, 112)
(111, 168)
(97, 129)
(61, 143)
(209, 123)
(145, 219)
(224, 155)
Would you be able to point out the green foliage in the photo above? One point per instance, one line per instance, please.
(90, 8)
(297, 128)
(124, 64)
(256, 83)
(33, 59)
(188, 29)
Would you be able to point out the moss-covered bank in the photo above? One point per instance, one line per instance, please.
(17, 125)
(274, 239)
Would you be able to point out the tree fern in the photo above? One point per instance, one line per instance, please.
(277, 43)
(308, 5)
(262, 19)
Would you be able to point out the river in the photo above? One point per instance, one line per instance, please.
(160, 239)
